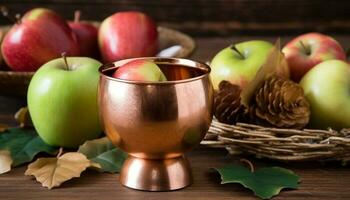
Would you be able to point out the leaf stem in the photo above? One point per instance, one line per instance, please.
(18, 18)
(65, 61)
(250, 164)
(306, 48)
(233, 47)
(60, 151)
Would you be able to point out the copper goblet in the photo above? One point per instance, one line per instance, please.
(156, 122)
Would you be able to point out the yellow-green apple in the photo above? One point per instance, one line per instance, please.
(140, 70)
(40, 36)
(239, 63)
(86, 34)
(62, 101)
(127, 35)
(306, 51)
(326, 87)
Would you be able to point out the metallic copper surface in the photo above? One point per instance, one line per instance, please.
(157, 121)
(156, 174)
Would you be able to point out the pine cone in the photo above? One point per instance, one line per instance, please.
(280, 102)
(227, 103)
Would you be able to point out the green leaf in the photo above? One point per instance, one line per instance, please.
(23, 144)
(264, 182)
(102, 151)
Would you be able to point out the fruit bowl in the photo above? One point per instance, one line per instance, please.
(16, 83)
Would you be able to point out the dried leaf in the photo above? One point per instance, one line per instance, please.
(103, 152)
(274, 64)
(52, 172)
(23, 144)
(3, 128)
(5, 161)
(22, 116)
(264, 182)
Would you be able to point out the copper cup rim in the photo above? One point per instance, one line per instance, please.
(159, 60)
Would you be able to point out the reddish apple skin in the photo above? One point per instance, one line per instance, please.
(87, 38)
(41, 36)
(139, 70)
(322, 47)
(127, 35)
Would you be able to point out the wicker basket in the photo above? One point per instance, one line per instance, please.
(16, 83)
(280, 144)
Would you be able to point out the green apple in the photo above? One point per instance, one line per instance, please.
(62, 101)
(326, 87)
(239, 63)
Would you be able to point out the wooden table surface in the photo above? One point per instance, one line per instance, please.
(318, 180)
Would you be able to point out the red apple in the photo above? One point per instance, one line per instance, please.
(40, 36)
(127, 35)
(86, 34)
(308, 50)
(140, 70)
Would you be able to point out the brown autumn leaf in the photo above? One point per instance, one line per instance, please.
(52, 172)
(3, 127)
(275, 64)
(5, 161)
(23, 118)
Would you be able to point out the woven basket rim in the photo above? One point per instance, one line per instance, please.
(280, 143)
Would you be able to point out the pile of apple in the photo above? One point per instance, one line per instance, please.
(62, 95)
(316, 61)
(42, 35)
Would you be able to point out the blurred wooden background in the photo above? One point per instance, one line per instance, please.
(213, 17)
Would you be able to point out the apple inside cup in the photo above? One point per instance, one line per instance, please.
(140, 70)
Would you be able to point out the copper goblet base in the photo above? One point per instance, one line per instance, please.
(156, 174)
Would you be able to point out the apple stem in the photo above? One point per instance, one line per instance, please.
(5, 13)
(65, 60)
(60, 151)
(18, 18)
(233, 47)
(77, 15)
(250, 164)
(306, 48)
